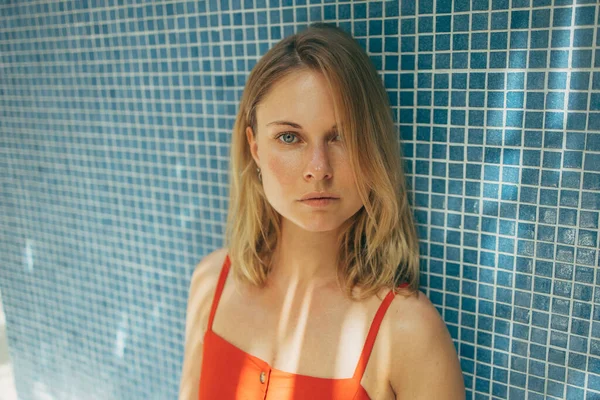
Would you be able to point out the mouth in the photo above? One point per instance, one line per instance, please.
(319, 201)
(319, 195)
(320, 198)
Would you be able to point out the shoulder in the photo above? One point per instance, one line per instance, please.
(201, 291)
(424, 360)
(203, 284)
(209, 266)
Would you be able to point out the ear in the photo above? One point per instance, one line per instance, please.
(253, 144)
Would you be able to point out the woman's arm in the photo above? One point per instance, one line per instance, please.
(192, 355)
(425, 364)
(202, 289)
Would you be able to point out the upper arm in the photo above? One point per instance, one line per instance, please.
(425, 364)
(201, 289)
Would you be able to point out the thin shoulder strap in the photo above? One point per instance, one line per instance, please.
(219, 290)
(366, 352)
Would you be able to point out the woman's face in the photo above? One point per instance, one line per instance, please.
(299, 151)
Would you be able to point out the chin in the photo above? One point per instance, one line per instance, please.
(311, 220)
(313, 223)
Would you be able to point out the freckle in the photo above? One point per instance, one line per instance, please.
(282, 168)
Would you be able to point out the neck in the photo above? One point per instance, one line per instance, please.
(303, 260)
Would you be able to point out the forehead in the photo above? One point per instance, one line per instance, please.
(302, 95)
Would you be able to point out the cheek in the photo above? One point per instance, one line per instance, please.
(283, 168)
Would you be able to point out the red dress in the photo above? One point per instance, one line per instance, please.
(230, 373)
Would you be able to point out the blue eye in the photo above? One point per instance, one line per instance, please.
(287, 134)
(338, 137)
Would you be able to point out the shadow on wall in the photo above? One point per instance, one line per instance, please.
(7, 382)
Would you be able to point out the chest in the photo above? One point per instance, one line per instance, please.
(317, 335)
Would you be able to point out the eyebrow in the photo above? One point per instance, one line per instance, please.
(295, 125)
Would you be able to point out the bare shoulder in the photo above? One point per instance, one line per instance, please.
(201, 291)
(204, 281)
(209, 266)
(425, 363)
(202, 288)
(211, 261)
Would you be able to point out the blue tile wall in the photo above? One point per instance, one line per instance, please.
(115, 124)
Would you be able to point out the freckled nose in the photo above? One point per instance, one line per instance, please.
(319, 166)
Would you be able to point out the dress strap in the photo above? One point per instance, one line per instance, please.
(219, 290)
(368, 347)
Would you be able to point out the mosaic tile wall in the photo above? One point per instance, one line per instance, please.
(115, 121)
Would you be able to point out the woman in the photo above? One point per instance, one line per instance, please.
(314, 309)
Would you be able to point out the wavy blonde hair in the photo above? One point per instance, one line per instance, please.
(378, 246)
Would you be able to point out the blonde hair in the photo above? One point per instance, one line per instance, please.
(379, 244)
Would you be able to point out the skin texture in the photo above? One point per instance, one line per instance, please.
(307, 157)
(413, 356)
(312, 158)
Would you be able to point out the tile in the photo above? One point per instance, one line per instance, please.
(115, 127)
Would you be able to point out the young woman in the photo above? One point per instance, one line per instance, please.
(322, 252)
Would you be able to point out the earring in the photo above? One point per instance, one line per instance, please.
(259, 174)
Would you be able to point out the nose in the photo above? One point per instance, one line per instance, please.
(319, 166)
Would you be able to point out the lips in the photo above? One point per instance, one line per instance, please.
(319, 203)
(319, 195)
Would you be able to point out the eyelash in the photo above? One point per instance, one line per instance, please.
(295, 135)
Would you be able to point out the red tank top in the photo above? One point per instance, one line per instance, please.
(229, 373)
